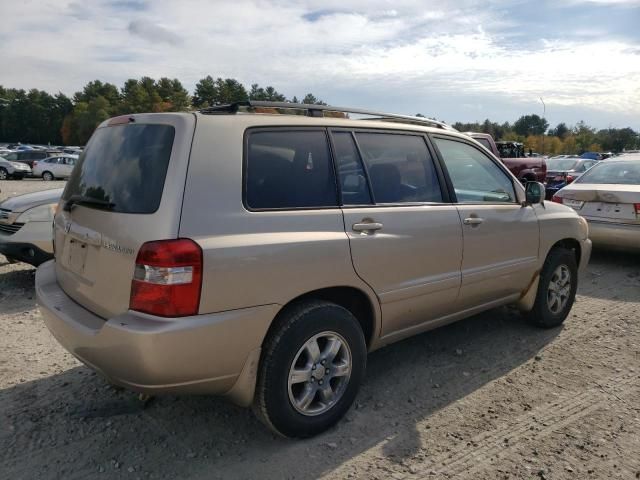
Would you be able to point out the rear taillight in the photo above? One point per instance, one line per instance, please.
(35, 163)
(570, 179)
(636, 207)
(168, 278)
(556, 199)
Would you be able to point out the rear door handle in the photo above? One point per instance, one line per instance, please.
(473, 221)
(366, 227)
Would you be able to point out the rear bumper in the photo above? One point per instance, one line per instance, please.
(213, 353)
(614, 235)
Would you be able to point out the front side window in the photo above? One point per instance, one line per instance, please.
(474, 176)
(400, 168)
(289, 169)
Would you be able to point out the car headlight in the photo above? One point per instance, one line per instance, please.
(41, 213)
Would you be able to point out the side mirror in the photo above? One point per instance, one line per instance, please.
(534, 193)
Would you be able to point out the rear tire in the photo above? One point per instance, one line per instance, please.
(311, 368)
(556, 289)
(47, 176)
(4, 175)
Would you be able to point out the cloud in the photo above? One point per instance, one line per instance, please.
(456, 60)
(153, 32)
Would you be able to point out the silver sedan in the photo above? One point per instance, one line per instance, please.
(608, 197)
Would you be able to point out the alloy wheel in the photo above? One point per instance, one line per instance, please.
(319, 374)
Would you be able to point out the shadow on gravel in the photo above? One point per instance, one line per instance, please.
(19, 285)
(74, 425)
(612, 275)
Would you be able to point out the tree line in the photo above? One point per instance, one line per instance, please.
(36, 116)
(534, 132)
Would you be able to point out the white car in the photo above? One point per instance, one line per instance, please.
(9, 169)
(25, 226)
(54, 167)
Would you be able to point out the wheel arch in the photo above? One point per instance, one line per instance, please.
(351, 298)
(570, 244)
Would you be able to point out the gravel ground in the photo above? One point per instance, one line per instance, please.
(488, 397)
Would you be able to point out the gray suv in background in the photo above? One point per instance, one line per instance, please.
(260, 250)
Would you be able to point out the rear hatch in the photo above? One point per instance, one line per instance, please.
(125, 190)
(607, 203)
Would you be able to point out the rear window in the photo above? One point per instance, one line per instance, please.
(621, 173)
(289, 169)
(124, 165)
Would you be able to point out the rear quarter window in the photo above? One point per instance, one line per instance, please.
(124, 165)
(289, 169)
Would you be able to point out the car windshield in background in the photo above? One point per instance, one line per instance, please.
(124, 167)
(561, 164)
(623, 173)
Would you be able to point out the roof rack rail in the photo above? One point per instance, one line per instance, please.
(319, 111)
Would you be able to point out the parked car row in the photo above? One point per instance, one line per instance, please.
(30, 163)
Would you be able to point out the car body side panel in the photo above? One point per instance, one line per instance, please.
(558, 223)
(500, 255)
(257, 257)
(412, 262)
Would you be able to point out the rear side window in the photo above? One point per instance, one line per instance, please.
(400, 168)
(124, 165)
(289, 169)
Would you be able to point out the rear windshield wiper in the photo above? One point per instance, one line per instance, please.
(82, 200)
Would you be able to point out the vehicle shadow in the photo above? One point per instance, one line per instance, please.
(621, 283)
(74, 424)
(19, 285)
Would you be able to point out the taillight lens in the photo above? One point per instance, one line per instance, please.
(636, 206)
(168, 278)
(570, 179)
(556, 199)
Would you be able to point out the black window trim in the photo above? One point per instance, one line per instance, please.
(501, 166)
(444, 192)
(287, 128)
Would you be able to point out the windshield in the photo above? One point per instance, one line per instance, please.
(561, 164)
(623, 173)
(123, 166)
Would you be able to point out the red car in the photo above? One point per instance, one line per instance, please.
(526, 169)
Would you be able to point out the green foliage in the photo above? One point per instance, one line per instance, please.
(33, 116)
(530, 125)
(561, 130)
(265, 94)
(310, 99)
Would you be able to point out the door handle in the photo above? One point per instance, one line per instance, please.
(473, 221)
(366, 227)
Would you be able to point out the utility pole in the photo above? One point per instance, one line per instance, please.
(544, 113)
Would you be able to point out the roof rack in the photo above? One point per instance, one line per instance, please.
(320, 111)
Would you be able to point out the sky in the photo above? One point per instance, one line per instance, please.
(462, 60)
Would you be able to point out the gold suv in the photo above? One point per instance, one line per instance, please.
(260, 250)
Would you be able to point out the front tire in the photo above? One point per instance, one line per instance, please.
(311, 368)
(4, 175)
(556, 289)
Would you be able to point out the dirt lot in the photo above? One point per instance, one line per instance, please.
(489, 397)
